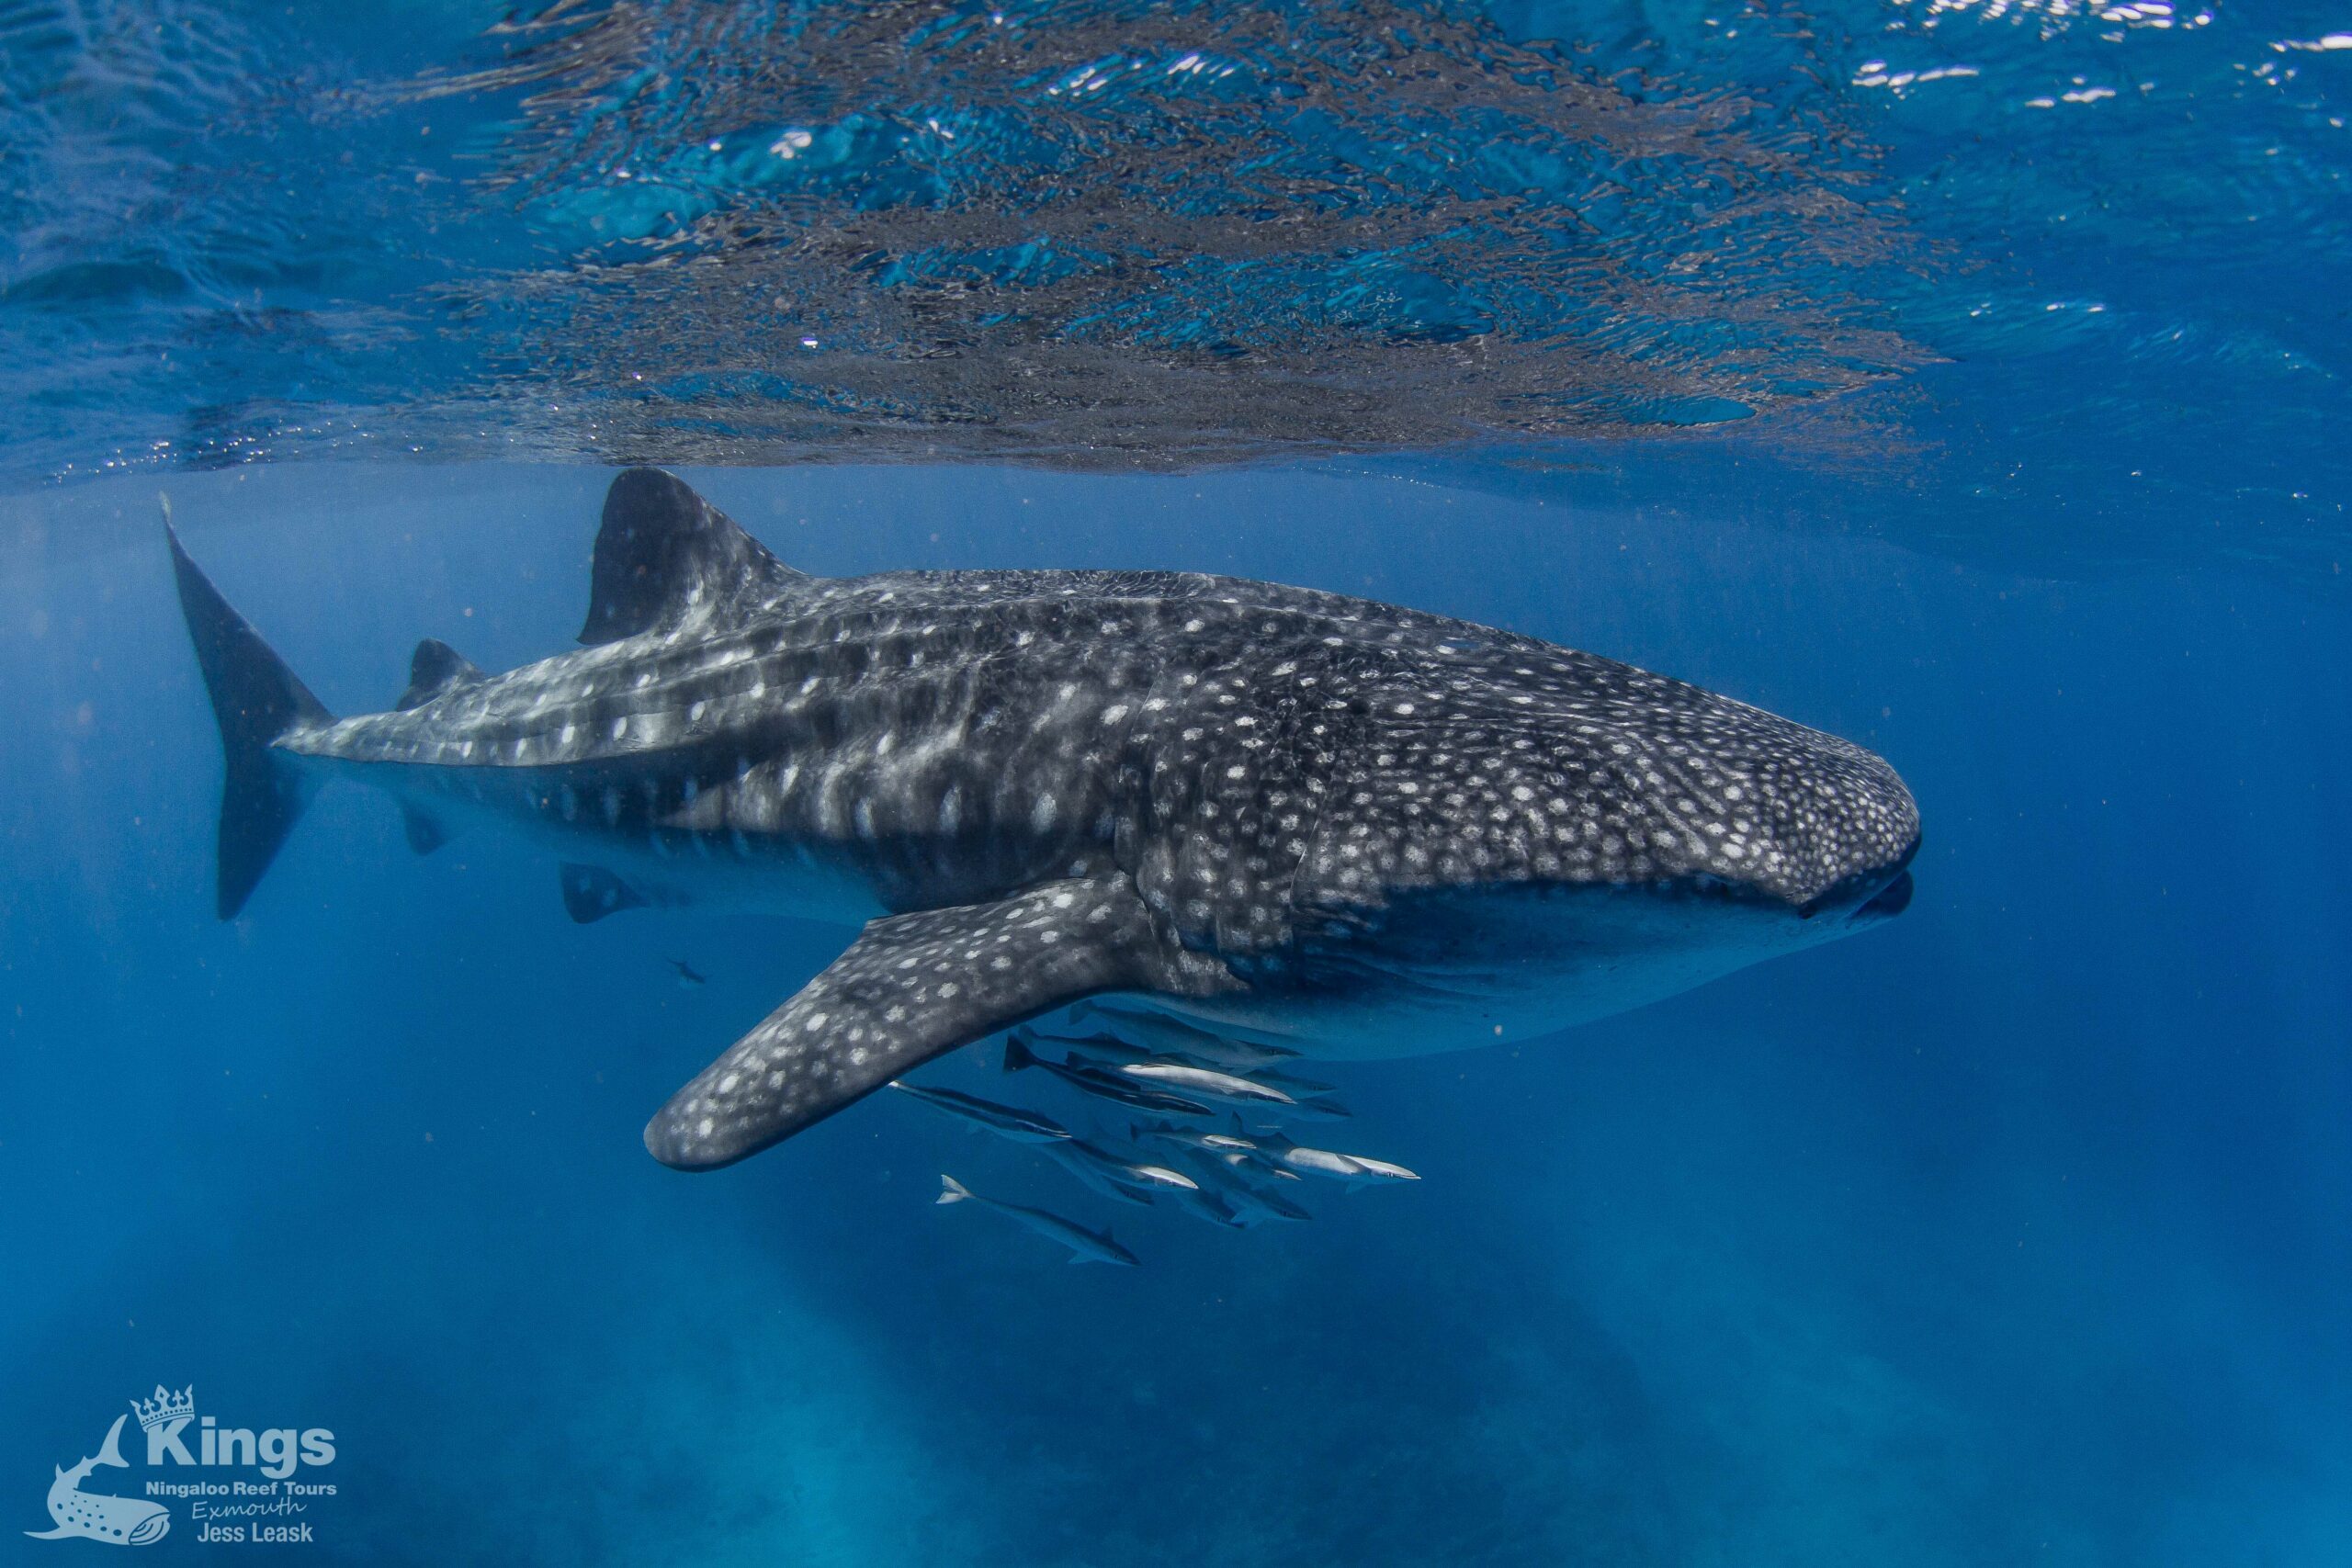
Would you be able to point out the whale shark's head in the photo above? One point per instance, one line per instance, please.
(1519, 853)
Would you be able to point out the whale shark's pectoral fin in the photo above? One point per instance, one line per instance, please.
(60, 1533)
(911, 987)
(425, 834)
(590, 893)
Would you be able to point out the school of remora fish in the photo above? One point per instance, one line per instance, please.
(1204, 1125)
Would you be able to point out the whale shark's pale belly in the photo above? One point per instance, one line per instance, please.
(1478, 968)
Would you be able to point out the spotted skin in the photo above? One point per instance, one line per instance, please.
(910, 988)
(1348, 827)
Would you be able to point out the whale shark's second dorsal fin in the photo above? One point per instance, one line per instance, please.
(436, 670)
(666, 558)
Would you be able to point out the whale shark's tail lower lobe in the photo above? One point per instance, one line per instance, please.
(257, 699)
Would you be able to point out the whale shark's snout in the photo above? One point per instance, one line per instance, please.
(1847, 822)
(1652, 785)
(1892, 892)
(1868, 895)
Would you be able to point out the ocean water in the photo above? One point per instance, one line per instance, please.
(1964, 379)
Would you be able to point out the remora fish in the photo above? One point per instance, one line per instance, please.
(1166, 1037)
(1090, 1050)
(1085, 1245)
(1214, 1144)
(1127, 1180)
(689, 977)
(1311, 1108)
(1351, 1169)
(1208, 1083)
(1295, 1086)
(1005, 1120)
(1202, 1203)
(1115, 1086)
(123, 1521)
(1351, 828)
(1251, 1204)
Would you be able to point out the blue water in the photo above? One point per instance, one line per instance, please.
(2002, 439)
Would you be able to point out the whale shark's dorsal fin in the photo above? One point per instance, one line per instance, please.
(666, 558)
(436, 670)
(910, 988)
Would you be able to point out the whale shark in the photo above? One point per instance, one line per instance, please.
(1339, 827)
(99, 1516)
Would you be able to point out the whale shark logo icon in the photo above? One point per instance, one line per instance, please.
(99, 1516)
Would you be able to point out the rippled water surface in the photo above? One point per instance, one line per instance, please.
(2038, 256)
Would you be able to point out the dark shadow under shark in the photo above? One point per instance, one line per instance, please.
(1353, 828)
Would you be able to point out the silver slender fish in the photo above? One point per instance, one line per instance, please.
(1137, 1096)
(1207, 1141)
(1131, 1180)
(1251, 1204)
(1166, 1036)
(1005, 1120)
(1085, 1245)
(1098, 1050)
(1354, 1169)
(1208, 1083)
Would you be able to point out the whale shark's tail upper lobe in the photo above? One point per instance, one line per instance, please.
(257, 699)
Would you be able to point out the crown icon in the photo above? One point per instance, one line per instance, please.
(166, 1407)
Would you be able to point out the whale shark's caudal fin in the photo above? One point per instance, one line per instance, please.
(256, 700)
(665, 557)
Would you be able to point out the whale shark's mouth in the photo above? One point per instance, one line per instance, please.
(1886, 903)
(1865, 903)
